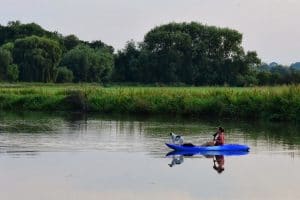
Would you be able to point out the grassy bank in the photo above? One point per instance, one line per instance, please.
(271, 103)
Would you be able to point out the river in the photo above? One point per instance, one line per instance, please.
(75, 156)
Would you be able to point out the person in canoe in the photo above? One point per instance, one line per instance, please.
(219, 138)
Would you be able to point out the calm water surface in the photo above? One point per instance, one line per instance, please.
(72, 156)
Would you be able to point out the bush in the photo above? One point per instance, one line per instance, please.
(12, 73)
(64, 75)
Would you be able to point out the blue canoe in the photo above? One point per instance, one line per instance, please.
(225, 147)
(207, 153)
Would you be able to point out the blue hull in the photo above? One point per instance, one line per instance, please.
(225, 147)
(207, 153)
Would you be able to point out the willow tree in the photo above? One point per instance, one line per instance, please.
(195, 53)
(37, 58)
(88, 64)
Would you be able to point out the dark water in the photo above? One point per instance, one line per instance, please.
(73, 156)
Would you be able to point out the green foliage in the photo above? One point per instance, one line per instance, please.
(170, 50)
(64, 75)
(70, 41)
(295, 66)
(275, 74)
(127, 64)
(89, 65)
(8, 46)
(189, 53)
(269, 103)
(16, 30)
(37, 58)
(98, 44)
(263, 77)
(12, 73)
(37, 52)
(170, 54)
(5, 61)
(8, 70)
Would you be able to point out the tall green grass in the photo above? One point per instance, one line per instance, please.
(271, 103)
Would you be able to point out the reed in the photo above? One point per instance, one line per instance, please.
(280, 103)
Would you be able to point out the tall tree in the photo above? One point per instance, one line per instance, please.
(127, 64)
(16, 30)
(195, 53)
(70, 41)
(89, 65)
(8, 70)
(37, 58)
(98, 44)
(5, 61)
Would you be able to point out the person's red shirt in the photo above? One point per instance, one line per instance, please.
(220, 139)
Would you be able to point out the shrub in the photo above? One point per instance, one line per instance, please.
(64, 75)
(12, 73)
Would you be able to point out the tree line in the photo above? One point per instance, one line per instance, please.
(187, 53)
(30, 53)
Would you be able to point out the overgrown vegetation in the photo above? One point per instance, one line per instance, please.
(174, 53)
(28, 53)
(189, 53)
(270, 103)
(178, 54)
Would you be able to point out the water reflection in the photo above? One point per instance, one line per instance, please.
(218, 157)
(36, 131)
(219, 162)
(176, 160)
(123, 157)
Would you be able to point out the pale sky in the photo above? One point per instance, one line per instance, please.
(271, 27)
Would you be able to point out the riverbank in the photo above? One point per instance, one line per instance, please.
(269, 103)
